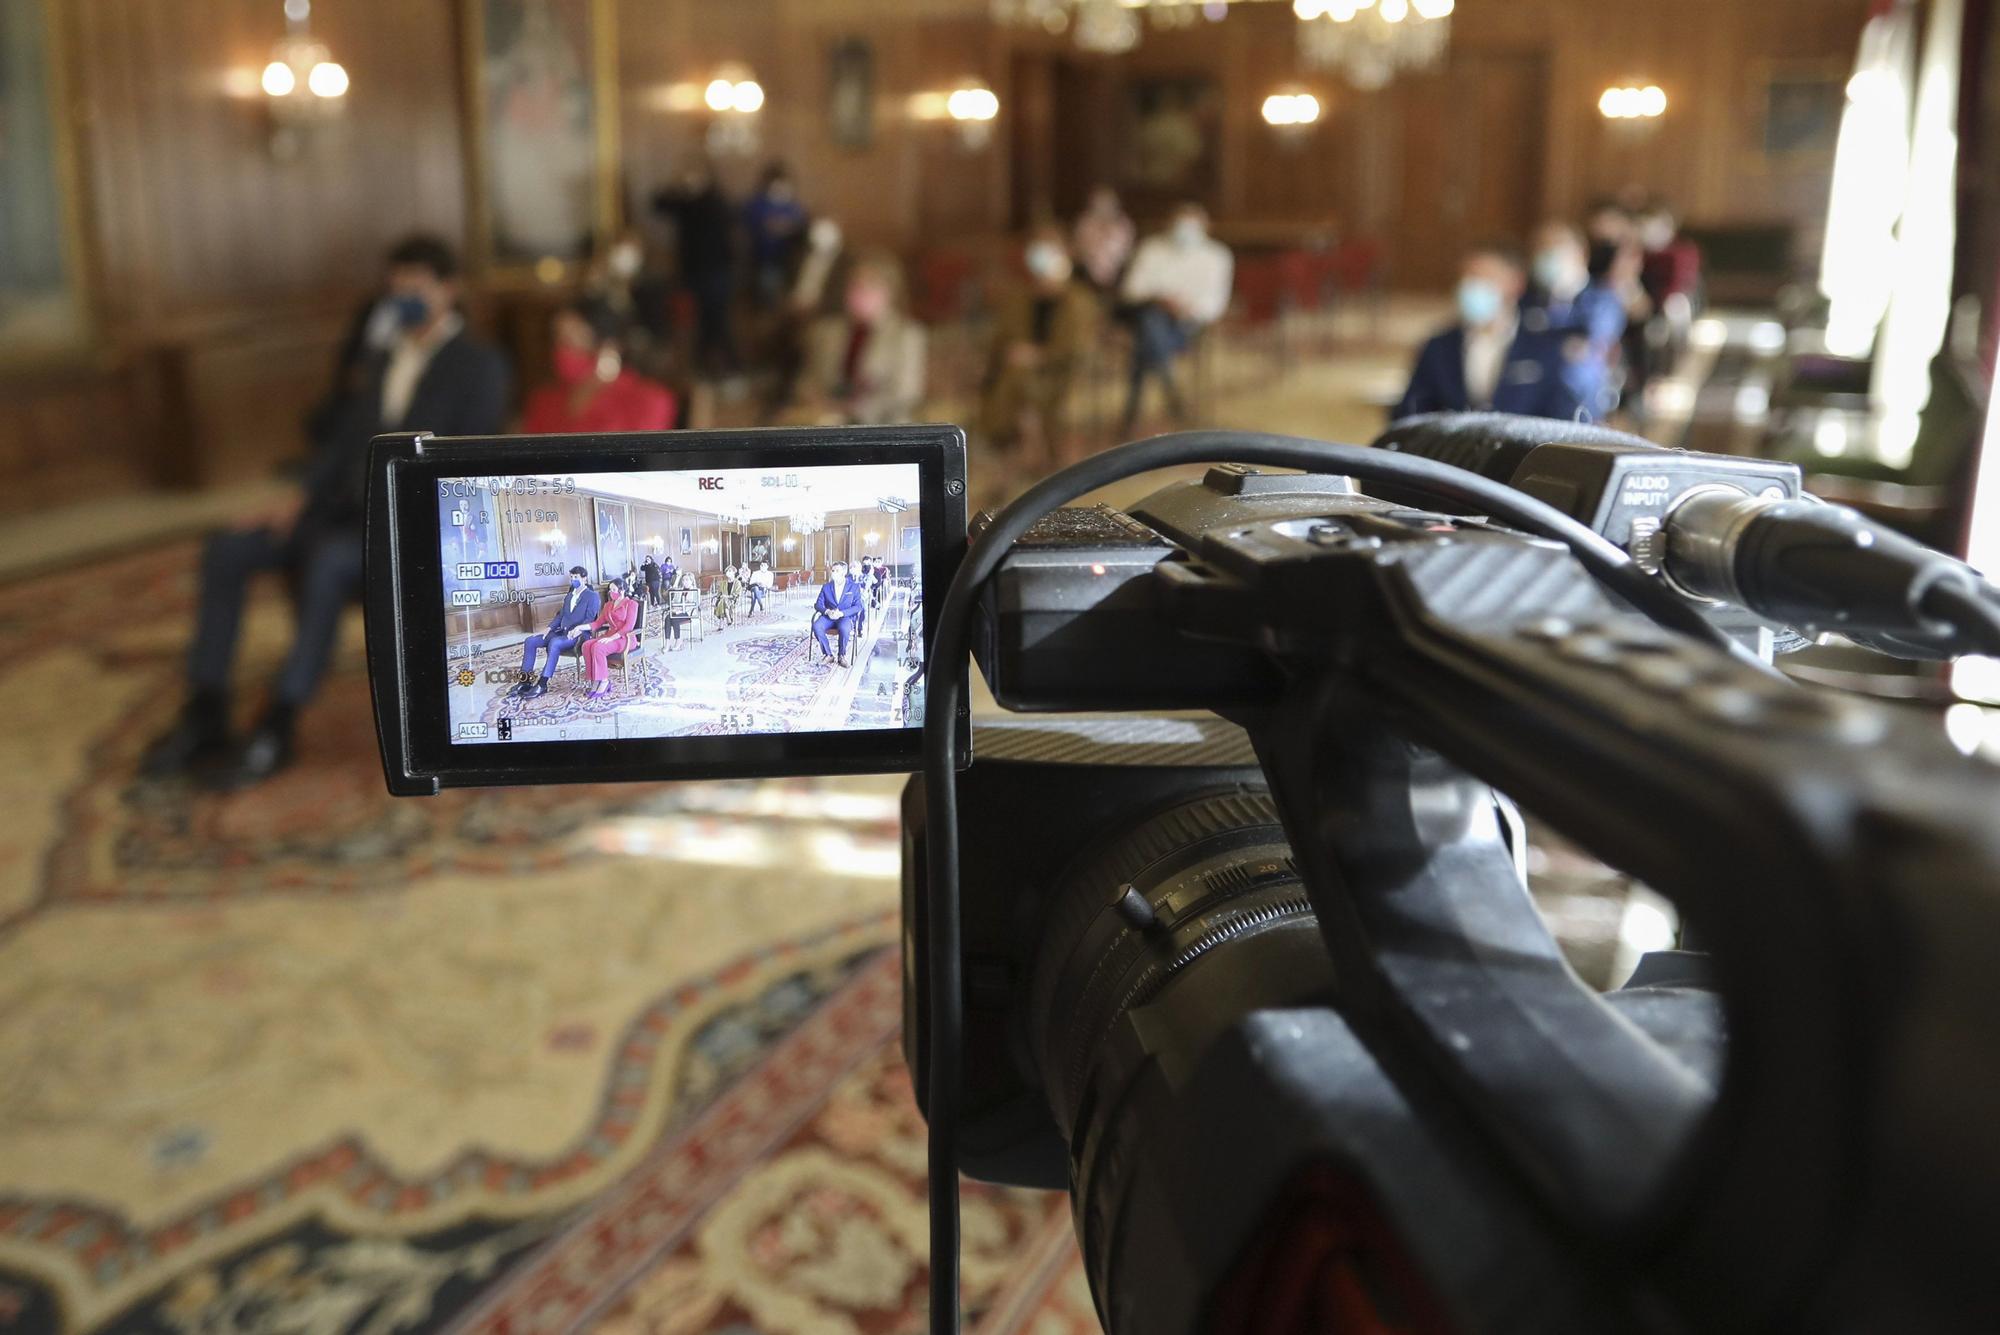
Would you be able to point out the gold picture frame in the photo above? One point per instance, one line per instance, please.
(541, 124)
(71, 336)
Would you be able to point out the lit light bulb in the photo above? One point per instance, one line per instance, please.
(1611, 105)
(1652, 100)
(1395, 11)
(279, 81)
(1434, 9)
(1342, 11)
(1308, 10)
(721, 94)
(972, 104)
(748, 96)
(327, 79)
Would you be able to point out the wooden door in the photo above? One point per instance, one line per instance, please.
(1472, 162)
(839, 542)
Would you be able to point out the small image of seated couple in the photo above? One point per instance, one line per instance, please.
(596, 622)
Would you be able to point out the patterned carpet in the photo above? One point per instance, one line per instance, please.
(309, 1060)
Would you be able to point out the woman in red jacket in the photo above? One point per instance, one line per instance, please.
(610, 634)
(592, 390)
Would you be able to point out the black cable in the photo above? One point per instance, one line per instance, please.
(952, 644)
(1974, 619)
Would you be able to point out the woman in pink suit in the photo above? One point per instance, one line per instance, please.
(610, 634)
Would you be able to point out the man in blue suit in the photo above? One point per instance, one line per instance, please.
(838, 609)
(1488, 361)
(1586, 312)
(572, 621)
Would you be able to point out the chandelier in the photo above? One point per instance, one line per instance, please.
(805, 523)
(1370, 42)
(1107, 27)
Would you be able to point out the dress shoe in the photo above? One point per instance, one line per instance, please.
(537, 689)
(190, 742)
(521, 687)
(843, 660)
(260, 755)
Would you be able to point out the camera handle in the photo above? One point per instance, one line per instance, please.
(1842, 861)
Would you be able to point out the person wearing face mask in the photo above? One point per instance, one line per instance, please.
(1489, 361)
(836, 609)
(431, 376)
(867, 364)
(593, 390)
(1178, 284)
(776, 222)
(1103, 240)
(1586, 313)
(805, 302)
(1041, 331)
(570, 625)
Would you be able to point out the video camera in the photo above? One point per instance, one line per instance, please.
(1262, 985)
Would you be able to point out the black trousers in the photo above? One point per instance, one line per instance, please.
(326, 567)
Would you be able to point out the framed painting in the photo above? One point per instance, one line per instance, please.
(850, 99)
(1799, 105)
(44, 304)
(542, 119)
(1170, 129)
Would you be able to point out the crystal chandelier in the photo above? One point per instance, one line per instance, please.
(1107, 27)
(1370, 42)
(805, 523)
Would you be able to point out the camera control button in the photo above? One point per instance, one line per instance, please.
(1547, 629)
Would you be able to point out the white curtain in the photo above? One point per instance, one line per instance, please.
(1920, 309)
(1871, 168)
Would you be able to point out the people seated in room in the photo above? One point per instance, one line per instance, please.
(541, 654)
(683, 598)
(1178, 285)
(1103, 240)
(1565, 299)
(611, 633)
(434, 376)
(593, 390)
(836, 609)
(1042, 330)
(1487, 360)
(867, 364)
(727, 590)
(775, 222)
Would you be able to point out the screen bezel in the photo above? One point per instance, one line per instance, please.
(407, 631)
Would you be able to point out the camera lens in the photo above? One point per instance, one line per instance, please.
(1196, 914)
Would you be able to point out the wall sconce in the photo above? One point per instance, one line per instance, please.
(1628, 103)
(303, 85)
(971, 108)
(790, 543)
(1291, 114)
(735, 96)
(872, 538)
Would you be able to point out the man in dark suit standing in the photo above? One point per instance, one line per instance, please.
(838, 608)
(569, 626)
(433, 376)
(1487, 361)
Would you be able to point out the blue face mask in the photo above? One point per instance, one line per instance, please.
(1478, 301)
(412, 311)
(1553, 270)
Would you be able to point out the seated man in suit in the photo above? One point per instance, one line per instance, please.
(838, 608)
(1487, 361)
(571, 623)
(433, 376)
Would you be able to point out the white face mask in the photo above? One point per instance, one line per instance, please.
(1189, 231)
(1048, 261)
(824, 234)
(624, 261)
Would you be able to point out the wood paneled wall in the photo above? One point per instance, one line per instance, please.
(208, 253)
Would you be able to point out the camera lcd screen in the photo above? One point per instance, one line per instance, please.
(669, 603)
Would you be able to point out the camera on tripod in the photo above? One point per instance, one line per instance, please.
(1245, 958)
